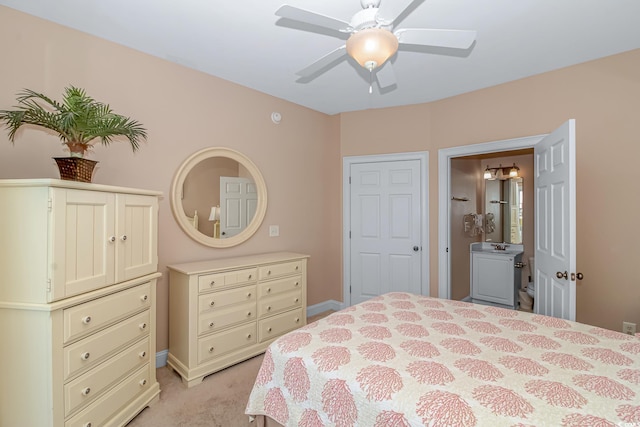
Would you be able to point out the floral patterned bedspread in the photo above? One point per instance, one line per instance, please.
(407, 360)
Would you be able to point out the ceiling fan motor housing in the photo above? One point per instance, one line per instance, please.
(366, 18)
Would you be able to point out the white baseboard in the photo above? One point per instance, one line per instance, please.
(161, 356)
(334, 305)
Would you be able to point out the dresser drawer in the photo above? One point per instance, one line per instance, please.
(93, 349)
(215, 300)
(85, 388)
(100, 411)
(281, 302)
(228, 278)
(218, 344)
(83, 319)
(228, 316)
(273, 287)
(275, 326)
(281, 269)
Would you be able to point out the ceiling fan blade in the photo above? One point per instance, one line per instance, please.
(326, 60)
(313, 18)
(458, 39)
(390, 10)
(385, 75)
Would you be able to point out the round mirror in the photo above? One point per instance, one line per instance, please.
(218, 197)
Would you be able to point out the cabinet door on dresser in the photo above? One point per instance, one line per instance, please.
(82, 256)
(136, 235)
(100, 238)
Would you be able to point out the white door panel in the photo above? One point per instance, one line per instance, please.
(385, 206)
(555, 229)
(238, 203)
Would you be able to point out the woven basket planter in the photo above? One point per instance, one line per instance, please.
(75, 168)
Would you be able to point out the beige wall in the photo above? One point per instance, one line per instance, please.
(603, 96)
(183, 111)
(300, 159)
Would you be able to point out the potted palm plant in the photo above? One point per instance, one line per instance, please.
(80, 122)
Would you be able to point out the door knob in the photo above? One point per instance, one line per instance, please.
(560, 275)
(578, 276)
(416, 248)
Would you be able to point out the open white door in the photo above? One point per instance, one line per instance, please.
(555, 223)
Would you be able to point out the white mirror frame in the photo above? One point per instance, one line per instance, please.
(176, 197)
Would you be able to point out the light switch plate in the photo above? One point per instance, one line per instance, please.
(274, 230)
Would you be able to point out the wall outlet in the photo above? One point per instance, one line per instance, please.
(629, 328)
(274, 231)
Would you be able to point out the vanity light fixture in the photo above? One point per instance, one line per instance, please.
(501, 172)
(513, 173)
(487, 173)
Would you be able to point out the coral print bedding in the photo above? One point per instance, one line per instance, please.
(407, 360)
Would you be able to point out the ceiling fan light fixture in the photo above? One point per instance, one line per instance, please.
(371, 47)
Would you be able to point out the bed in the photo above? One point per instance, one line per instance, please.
(408, 360)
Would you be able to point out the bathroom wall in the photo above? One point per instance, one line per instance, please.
(466, 174)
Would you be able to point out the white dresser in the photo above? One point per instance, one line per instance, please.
(78, 269)
(224, 311)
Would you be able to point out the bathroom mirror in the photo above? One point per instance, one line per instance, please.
(218, 197)
(503, 210)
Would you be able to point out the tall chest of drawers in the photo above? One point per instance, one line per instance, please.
(78, 267)
(224, 311)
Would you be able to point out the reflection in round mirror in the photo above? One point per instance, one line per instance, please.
(218, 197)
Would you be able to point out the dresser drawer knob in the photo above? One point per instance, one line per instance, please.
(212, 303)
(269, 308)
(86, 391)
(268, 290)
(144, 298)
(248, 336)
(213, 282)
(123, 238)
(112, 239)
(249, 295)
(86, 320)
(211, 324)
(249, 314)
(297, 283)
(297, 320)
(211, 349)
(143, 383)
(86, 425)
(269, 330)
(143, 326)
(297, 267)
(250, 276)
(85, 356)
(269, 273)
(143, 354)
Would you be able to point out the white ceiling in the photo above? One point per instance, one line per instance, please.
(246, 43)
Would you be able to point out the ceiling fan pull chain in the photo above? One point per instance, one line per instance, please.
(371, 81)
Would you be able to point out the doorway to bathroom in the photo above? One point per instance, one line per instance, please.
(554, 216)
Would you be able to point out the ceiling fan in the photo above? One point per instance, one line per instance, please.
(373, 39)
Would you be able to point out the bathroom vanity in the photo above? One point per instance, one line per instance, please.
(496, 273)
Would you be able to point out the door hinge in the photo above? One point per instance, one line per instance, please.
(48, 285)
(349, 288)
(349, 180)
(349, 233)
(50, 205)
(447, 250)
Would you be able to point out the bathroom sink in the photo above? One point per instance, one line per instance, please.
(497, 248)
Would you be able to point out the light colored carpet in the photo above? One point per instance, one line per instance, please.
(219, 401)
